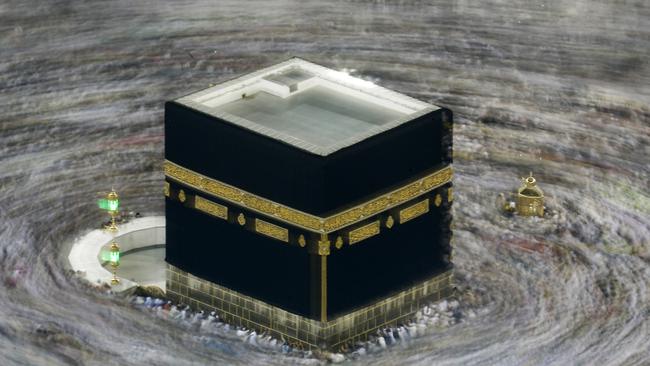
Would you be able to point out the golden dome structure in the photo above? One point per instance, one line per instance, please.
(530, 198)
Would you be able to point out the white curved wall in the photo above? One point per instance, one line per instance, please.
(85, 255)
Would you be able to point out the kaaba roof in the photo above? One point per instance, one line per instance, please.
(307, 105)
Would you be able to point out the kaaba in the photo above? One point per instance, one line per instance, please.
(307, 204)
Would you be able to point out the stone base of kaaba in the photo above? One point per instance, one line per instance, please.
(301, 332)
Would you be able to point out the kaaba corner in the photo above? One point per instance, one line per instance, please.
(307, 204)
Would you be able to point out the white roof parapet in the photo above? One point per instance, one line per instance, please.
(307, 105)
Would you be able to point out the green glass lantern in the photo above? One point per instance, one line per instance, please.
(114, 258)
(110, 203)
(114, 254)
(113, 205)
(103, 204)
(113, 201)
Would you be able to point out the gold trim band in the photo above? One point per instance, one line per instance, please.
(210, 207)
(323, 288)
(364, 232)
(414, 211)
(240, 197)
(274, 231)
(302, 219)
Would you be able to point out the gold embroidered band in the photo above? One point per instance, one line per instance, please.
(302, 219)
(210, 207)
(414, 211)
(274, 231)
(364, 232)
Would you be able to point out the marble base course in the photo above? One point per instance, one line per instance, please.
(301, 332)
